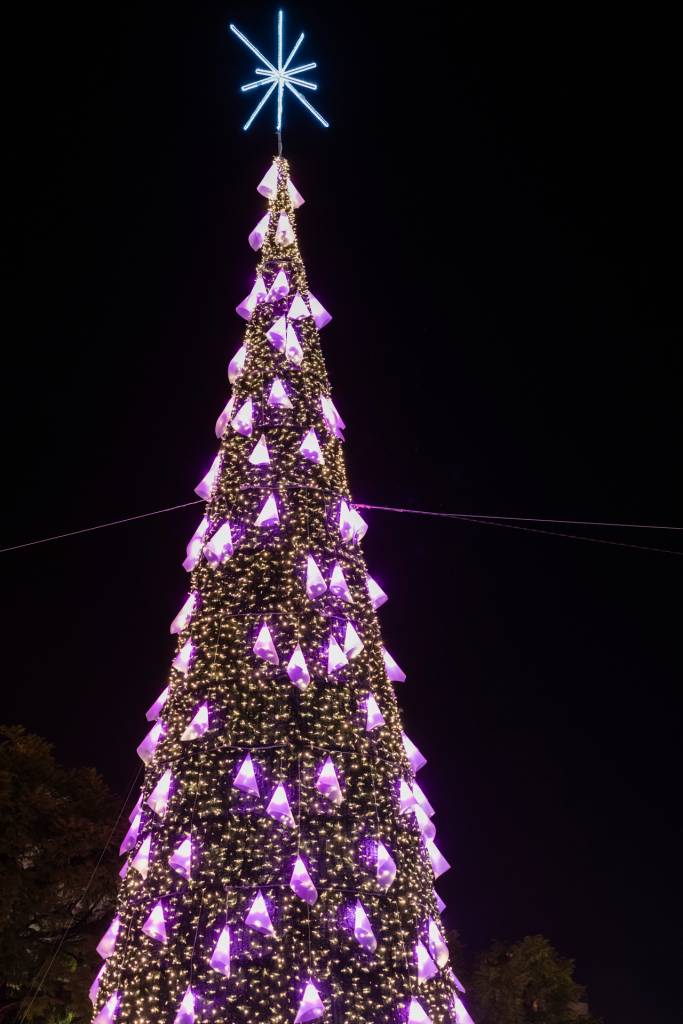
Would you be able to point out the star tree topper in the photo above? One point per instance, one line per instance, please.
(279, 77)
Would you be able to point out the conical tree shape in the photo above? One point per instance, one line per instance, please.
(289, 731)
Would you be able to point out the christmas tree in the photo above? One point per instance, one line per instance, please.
(281, 857)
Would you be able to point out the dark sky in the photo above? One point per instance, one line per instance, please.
(493, 219)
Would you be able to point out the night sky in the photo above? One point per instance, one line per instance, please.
(497, 233)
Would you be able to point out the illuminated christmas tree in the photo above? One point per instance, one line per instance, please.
(281, 857)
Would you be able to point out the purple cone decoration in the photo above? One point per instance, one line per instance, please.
(268, 516)
(426, 968)
(333, 421)
(155, 925)
(405, 797)
(284, 233)
(373, 717)
(95, 987)
(425, 824)
(310, 449)
(236, 364)
(257, 294)
(298, 309)
(151, 741)
(327, 783)
(353, 644)
(362, 929)
(108, 1012)
(293, 349)
(318, 312)
(460, 1013)
(131, 836)
(394, 671)
(278, 398)
(279, 288)
(224, 418)
(338, 585)
(311, 1006)
(194, 547)
(301, 883)
(268, 185)
(377, 595)
(439, 863)
(204, 488)
(440, 906)
(416, 1013)
(186, 1011)
(123, 871)
(345, 523)
(220, 958)
(277, 334)
(258, 235)
(245, 780)
(336, 658)
(278, 807)
(422, 800)
(136, 809)
(260, 455)
(183, 617)
(181, 858)
(458, 984)
(243, 420)
(159, 797)
(141, 859)
(315, 584)
(386, 867)
(360, 527)
(105, 947)
(416, 758)
(437, 945)
(183, 658)
(295, 196)
(198, 726)
(220, 547)
(258, 917)
(297, 669)
(264, 646)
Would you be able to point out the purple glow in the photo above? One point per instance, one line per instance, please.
(338, 585)
(245, 780)
(278, 807)
(406, 799)
(278, 398)
(204, 488)
(195, 544)
(258, 917)
(258, 236)
(183, 658)
(95, 987)
(353, 644)
(105, 946)
(293, 349)
(416, 1013)
(264, 646)
(136, 809)
(268, 516)
(440, 906)
(425, 824)
(297, 669)
(108, 1011)
(422, 800)
(439, 863)
(415, 757)
(155, 925)
(386, 867)
(301, 883)
(260, 455)
(458, 984)
(374, 718)
(377, 595)
(345, 522)
(147, 748)
(310, 449)
(183, 617)
(318, 312)
(461, 1014)
(315, 584)
(220, 958)
(198, 726)
(131, 836)
(236, 364)
(123, 871)
(284, 233)
(141, 859)
(327, 783)
(333, 421)
(437, 945)
(295, 196)
(311, 1005)
(159, 797)
(279, 288)
(362, 929)
(277, 333)
(181, 858)
(426, 968)
(220, 547)
(298, 309)
(257, 294)
(243, 420)
(360, 527)
(268, 185)
(225, 417)
(394, 672)
(336, 658)
(155, 710)
(186, 1010)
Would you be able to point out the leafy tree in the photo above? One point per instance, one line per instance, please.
(526, 982)
(54, 824)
